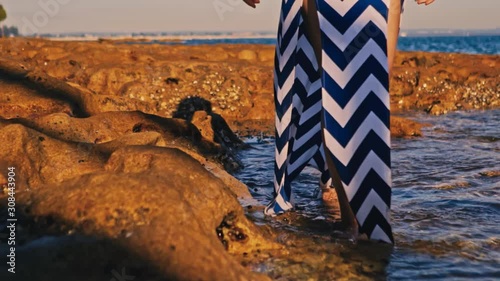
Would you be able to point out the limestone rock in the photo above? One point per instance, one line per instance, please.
(247, 55)
(203, 122)
(124, 77)
(167, 218)
(41, 160)
(401, 127)
(159, 207)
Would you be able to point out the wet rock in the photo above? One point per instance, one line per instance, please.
(491, 174)
(203, 122)
(401, 127)
(187, 107)
(210, 124)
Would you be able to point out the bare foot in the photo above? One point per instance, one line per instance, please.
(330, 199)
(341, 211)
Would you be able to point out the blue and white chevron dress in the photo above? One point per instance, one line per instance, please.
(351, 94)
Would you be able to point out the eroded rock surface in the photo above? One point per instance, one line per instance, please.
(158, 205)
(236, 80)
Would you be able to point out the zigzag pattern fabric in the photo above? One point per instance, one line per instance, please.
(297, 99)
(351, 96)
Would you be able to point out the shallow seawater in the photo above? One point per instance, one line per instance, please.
(445, 210)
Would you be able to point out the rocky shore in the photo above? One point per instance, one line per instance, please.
(108, 183)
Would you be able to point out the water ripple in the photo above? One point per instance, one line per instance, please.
(446, 207)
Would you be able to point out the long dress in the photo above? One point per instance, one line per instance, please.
(351, 95)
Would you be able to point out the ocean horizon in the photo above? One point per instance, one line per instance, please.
(463, 41)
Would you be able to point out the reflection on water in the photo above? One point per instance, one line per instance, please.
(445, 212)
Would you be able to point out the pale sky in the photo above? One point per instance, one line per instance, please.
(202, 15)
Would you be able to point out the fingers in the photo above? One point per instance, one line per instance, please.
(252, 3)
(426, 2)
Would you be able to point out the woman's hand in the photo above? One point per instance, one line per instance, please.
(420, 2)
(252, 3)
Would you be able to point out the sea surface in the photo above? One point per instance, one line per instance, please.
(478, 44)
(445, 207)
(452, 44)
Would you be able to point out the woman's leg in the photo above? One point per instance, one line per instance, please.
(393, 31)
(310, 15)
(355, 116)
